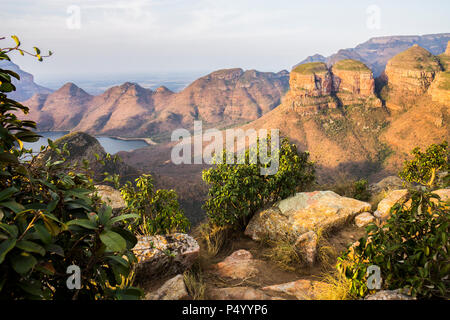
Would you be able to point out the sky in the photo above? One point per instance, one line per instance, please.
(92, 38)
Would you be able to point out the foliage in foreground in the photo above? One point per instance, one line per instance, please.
(425, 166)
(159, 211)
(50, 221)
(411, 249)
(237, 191)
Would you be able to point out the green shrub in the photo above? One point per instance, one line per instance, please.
(50, 221)
(425, 166)
(237, 191)
(356, 189)
(159, 212)
(411, 249)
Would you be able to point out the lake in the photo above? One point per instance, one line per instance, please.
(111, 145)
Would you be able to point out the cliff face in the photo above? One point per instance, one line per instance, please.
(440, 88)
(314, 87)
(311, 86)
(412, 71)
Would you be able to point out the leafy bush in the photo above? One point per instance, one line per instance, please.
(159, 212)
(356, 189)
(424, 167)
(50, 221)
(411, 249)
(237, 191)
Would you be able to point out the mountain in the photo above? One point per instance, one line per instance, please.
(51, 110)
(377, 51)
(349, 126)
(26, 87)
(224, 97)
(336, 115)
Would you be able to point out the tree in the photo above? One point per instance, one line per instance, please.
(50, 221)
(237, 191)
(424, 167)
(159, 212)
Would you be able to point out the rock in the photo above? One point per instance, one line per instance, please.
(304, 212)
(388, 183)
(364, 219)
(440, 88)
(301, 289)
(310, 87)
(111, 197)
(238, 293)
(389, 295)
(307, 245)
(444, 194)
(173, 289)
(412, 71)
(239, 265)
(385, 205)
(167, 255)
(354, 83)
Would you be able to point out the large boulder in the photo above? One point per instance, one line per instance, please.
(304, 212)
(387, 184)
(364, 219)
(444, 194)
(385, 205)
(172, 289)
(239, 265)
(111, 197)
(164, 255)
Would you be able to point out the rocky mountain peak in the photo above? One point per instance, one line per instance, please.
(226, 74)
(72, 90)
(412, 70)
(163, 89)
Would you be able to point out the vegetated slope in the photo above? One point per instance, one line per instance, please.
(377, 51)
(361, 137)
(222, 98)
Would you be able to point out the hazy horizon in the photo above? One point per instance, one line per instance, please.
(101, 39)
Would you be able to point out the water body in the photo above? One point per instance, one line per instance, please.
(111, 145)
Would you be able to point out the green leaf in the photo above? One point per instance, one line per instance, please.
(30, 246)
(10, 229)
(125, 217)
(113, 241)
(43, 233)
(104, 214)
(85, 223)
(22, 263)
(5, 194)
(13, 206)
(5, 247)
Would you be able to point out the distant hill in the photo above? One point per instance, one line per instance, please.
(222, 98)
(26, 87)
(376, 52)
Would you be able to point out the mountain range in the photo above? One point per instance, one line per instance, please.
(376, 52)
(222, 98)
